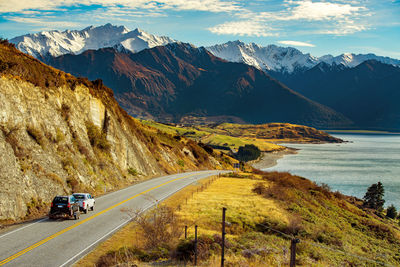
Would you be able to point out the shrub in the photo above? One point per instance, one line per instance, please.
(205, 246)
(5, 42)
(73, 183)
(159, 228)
(391, 212)
(35, 207)
(259, 188)
(132, 171)
(180, 162)
(97, 137)
(10, 134)
(60, 137)
(36, 135)
(65, 111)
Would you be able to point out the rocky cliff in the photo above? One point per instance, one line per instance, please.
(61, 134)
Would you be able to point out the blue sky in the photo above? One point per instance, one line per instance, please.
(315, 26)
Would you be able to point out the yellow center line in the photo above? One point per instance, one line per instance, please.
(16, 255)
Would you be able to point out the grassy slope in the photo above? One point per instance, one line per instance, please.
(235, 135)
(332, 228)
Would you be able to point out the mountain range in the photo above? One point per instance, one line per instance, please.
(161, 78)
(55, 43)
(269, 58)
(368, 94)
(177, 80)
(273, 58)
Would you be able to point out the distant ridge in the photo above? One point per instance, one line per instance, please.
(287, 59)
(169, 82)
(368, 94)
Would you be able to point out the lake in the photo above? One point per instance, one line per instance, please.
(350, 167)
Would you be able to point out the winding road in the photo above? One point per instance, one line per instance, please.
(63, 242)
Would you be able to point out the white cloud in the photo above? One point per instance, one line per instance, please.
(44, 24)
(243, 28)
(316, 11)
(323, 17)
(200, 5)
(296, 43)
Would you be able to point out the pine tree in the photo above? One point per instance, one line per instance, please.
(391, 212)
(373, 198)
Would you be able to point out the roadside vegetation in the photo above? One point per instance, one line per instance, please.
(264, 211)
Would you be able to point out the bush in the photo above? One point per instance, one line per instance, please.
(5, 42)
(181, 163)
(259, 188)
(73, 183)
(159, 228)
(65, 111)
(97, 137)
(133, 171)
(36, 135)
(60, 137)
(248, 152)
(35, 207)
(391, 212)
(206, 245)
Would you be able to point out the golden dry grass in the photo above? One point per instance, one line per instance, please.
(126, 236)
(244, 208)
(202, 204)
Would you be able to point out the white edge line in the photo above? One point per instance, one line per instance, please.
(16, 230)
(122, 224)
(98, 240)
(46, 218)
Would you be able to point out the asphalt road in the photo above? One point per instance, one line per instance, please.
(63, 242)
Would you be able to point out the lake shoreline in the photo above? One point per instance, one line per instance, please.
(270, 159)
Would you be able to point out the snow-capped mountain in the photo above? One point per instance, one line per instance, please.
(286, 59)
(56, 43)
(352, 60)
(271, 57)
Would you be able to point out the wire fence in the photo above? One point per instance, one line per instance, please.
(359, 257)
(189, 225)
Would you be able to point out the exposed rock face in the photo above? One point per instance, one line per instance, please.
(73, 137)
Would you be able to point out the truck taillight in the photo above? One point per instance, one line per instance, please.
(69, 205)
(51, 204)
(83, 204)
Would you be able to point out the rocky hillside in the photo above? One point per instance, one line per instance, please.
(60, 134)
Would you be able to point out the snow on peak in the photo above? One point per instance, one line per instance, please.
(56, 43)
(286, 59)
(351, 60)
(271, 57)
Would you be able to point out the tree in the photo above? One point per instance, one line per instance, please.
(391, 212)
(248, 152)
(373, 198)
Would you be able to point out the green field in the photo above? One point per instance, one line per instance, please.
(214, 136)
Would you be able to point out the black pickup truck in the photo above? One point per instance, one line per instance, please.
(64, 206)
